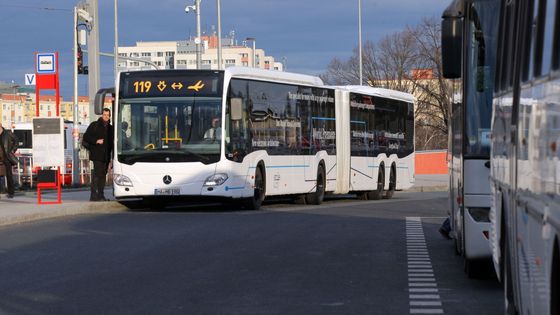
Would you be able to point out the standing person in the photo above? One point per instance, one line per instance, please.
(99, 136)
(8, 147)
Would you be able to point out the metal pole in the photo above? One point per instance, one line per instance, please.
(116, 42)
(94, 81)
(360, 38)
(198, 40)
(219, 35)
(254, 54)
(75, 134)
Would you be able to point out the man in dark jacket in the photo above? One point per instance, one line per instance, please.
(99, 136)
(8, 146)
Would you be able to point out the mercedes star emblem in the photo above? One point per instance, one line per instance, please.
(167, 179)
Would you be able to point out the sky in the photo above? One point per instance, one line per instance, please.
(307, 33)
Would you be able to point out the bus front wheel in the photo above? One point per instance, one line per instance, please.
(255, 202)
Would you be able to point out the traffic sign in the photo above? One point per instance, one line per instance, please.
(30, 79)
(46, 63)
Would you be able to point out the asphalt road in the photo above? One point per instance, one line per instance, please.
(343, 257)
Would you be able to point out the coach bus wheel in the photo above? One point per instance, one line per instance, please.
(255, 202)
(362, 195)
(316, 198)
(555, 282)
(392, 184)
(378, 193)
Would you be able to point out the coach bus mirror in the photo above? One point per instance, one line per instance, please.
(99, 102)
(452, 40)
(236, 108)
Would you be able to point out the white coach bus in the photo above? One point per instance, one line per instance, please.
(246, 134)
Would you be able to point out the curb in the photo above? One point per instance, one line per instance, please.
(62, 210)
(428, 188)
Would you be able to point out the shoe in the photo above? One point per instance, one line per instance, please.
(10, 196)
(444, 233)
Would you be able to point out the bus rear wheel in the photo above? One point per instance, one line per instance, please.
(378, 193)
(317, 197)
(255, 202)
(392, 184)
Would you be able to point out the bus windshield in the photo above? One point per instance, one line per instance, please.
(482, 32)
(170, 129)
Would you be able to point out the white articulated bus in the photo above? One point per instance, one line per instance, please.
(246, 134)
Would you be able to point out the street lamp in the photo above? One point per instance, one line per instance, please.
(254, 48)
(12, 111)
(360, 38)
(196, 8)
(219, 34)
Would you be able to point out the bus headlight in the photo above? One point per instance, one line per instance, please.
(122, 180)
(216, 179)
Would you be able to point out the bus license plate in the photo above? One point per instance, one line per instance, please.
(167, 192)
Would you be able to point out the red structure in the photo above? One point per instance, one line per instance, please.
(46, 76)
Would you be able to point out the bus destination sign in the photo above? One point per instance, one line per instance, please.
(170, 83)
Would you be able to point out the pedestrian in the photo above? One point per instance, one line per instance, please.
(8, 147)
(99, 137)
(445, 229)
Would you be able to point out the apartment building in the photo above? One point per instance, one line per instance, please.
(182, 55)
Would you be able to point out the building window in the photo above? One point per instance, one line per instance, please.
(146, 54)
(134, 54)
(206, 62)
(181, 62)
(169, 54)
(230, 61)
(160, 54)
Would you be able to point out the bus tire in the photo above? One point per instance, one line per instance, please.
(392, 184)
(509, 299)
(255, 202)
(555, 281)
(316, 198)
(362, 195)
(378, 192)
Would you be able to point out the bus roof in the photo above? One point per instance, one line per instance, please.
(368, 90)
(272, 75)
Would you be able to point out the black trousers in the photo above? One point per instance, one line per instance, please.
(9, 179)
(98, 179)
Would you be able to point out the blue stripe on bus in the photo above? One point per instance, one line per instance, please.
(322, 118)
(282, 166)
(358, 122)
(232, 188)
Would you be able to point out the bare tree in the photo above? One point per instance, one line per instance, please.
(408, 61)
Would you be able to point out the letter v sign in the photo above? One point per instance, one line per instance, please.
(30, 79)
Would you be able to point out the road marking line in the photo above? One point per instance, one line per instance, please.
(424, 296)
(410, 279)
(426, 311)
(425, 303)
(421, 277)
(423, 290)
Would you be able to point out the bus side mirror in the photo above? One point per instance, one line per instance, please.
(452, 40)
(99, 102)
(236, 108)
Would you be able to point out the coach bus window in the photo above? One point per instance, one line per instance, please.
(478, 81)
(548, 36)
